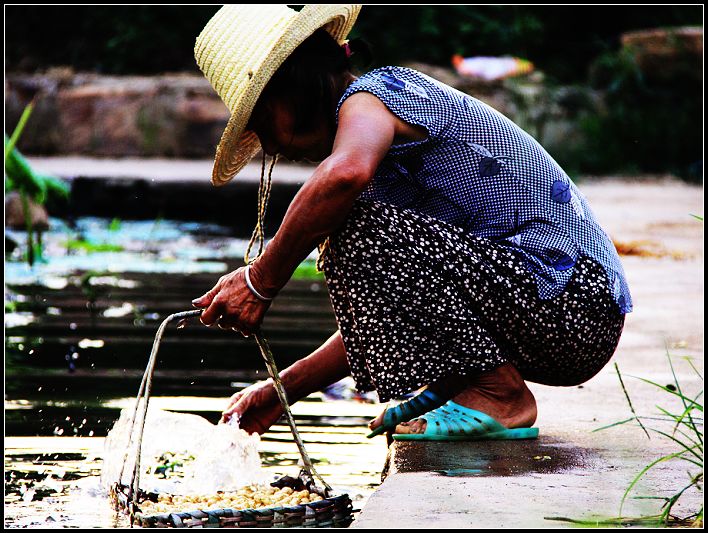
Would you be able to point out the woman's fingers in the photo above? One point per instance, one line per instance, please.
(208, 297)
(212, 313)
(226, 413)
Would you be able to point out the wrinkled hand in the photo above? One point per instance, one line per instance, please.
(257, 407)
(231, 305)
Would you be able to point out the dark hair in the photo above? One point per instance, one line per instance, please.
(305, 80)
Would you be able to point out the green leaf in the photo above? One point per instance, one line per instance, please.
(56, 187)
(10, 144)
(22, 175)
(114, 225)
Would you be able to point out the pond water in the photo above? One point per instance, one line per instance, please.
(78, 332)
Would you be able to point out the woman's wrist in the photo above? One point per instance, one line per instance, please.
(251, 288)
(258, 282)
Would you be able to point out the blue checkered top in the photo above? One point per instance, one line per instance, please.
(478, 170)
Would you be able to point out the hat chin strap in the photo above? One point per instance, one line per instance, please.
(264, 188)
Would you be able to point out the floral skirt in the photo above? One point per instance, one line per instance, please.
(418, 300)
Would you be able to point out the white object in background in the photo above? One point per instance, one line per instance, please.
(491, 68)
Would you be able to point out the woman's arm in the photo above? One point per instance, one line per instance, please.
(258, 407)
(364, 136)
(365, 133)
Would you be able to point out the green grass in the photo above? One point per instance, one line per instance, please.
(92, 247)
(686, 434)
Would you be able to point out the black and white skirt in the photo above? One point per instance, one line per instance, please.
(418, 300)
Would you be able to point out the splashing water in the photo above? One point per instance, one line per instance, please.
(226, 457)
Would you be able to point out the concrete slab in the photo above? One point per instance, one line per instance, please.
(572, 472)
(159, 170)
(179, 189)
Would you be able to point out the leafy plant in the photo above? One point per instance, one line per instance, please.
(686, 434)
(20, 177)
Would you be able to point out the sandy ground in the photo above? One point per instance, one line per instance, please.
(571, 471)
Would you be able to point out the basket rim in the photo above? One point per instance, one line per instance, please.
(121, 489)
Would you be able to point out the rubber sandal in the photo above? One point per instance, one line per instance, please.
(408, 410)
(455, 422)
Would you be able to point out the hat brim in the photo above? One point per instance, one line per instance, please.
(237, 145)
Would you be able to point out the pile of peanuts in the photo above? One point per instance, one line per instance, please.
(250, 497)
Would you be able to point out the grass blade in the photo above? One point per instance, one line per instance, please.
(675, 393)
(689, 360)
(631, 407)
(615, 424)
(687, 448)
(644, 471)
(683, 398)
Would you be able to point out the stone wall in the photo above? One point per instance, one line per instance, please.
(171, 115)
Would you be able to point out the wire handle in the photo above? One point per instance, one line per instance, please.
(144, 393)
(273, 371)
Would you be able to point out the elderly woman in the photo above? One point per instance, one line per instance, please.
(459, 257)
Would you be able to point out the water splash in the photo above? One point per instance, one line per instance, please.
(226, 457)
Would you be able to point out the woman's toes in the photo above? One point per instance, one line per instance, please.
(376, 422)
(414, 426)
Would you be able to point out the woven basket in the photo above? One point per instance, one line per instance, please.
(330, 512)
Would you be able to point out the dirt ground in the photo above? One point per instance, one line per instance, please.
(573, 471)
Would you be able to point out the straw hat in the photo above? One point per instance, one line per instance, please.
(240, 49)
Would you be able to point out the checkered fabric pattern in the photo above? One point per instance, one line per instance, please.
(478, 170)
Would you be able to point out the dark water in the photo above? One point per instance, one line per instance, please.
(78, 334)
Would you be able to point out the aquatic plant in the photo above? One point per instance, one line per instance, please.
(20, 177)
(687, 434)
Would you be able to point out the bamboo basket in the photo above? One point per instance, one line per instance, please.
(334, 512)
(331, 511)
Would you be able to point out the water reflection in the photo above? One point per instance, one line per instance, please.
(79, 331)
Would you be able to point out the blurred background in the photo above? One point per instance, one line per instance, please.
(602, 98)
(111, 223)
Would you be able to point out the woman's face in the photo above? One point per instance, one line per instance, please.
(274, 124)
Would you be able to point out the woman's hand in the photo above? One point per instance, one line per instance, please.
(232, 305)
(256, 407)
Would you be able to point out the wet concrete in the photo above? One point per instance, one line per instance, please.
(545, 455)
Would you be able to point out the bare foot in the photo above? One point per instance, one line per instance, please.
(500, 393)
(442, 389)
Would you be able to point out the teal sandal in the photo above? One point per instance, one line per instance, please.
(454, 422)
(408, 410)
